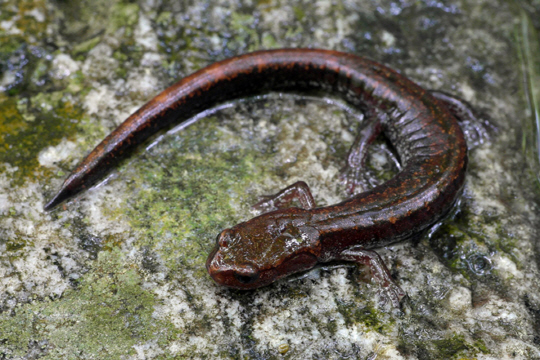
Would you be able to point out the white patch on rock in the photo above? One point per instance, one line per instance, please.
(52, 155)
(37, 14)
(176, 307)
(148, 350)
(506, 267)
(274, 17)
(145, 35)
(98, 98)
(7, 79)
(63, 66)
(99, 203)
(99, 63)
(9, 26)
(388, 39)
(460, 299)
(152, 59)
(143, 85)
(34, 272)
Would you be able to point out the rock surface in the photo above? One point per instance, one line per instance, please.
(118, 273)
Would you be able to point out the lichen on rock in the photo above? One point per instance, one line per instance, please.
(119, 272)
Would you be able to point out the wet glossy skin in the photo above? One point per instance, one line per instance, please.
(424, 133)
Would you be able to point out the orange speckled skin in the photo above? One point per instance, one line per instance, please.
(427, 137)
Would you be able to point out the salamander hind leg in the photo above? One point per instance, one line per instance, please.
(476, 127)
(353, 174)
(298, 191)
(379, 271)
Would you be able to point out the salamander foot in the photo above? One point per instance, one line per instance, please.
(379, 271)
(298, 191)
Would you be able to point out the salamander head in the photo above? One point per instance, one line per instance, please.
(258, 252)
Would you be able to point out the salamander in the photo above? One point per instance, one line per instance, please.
(421, 125)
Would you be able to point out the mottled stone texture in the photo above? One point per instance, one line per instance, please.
(119, 272)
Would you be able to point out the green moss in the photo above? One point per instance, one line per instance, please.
(269, 42)
(24, 131)
(36, 111)
(105, 317)
(481, 346)
(456, 347)
(27, 23)
(76, 85)
(366, 315)
(9, 44)
(245, 32)
(180, 197)
(22, 54)
(299, 13)
(451, 347)
(123, 15)
(85, 46)
(164, 18)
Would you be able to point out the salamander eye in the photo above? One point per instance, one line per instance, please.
(246, 277)
(223, 238)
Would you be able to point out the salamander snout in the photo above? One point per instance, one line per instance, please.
(231, 275)
(230, 270)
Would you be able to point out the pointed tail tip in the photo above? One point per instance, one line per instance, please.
(52, 203)
(70, 187)
(62, 195)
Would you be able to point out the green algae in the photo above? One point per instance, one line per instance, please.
(28, 24)
(180, 198)
(454, 346)
(84, 21)
(105, 316)
(196, 183)
(299, 13)
(88, 22)
(35, 110)
(85, 46)
(25, 132)
(179, 216)
(368, 316)
(269, 42)
(123, 14)
(244, 32)
(8, 45)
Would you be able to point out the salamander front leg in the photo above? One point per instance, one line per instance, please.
(378, 270)
(353, 173)
(298, 191)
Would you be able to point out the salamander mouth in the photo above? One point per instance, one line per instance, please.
(246, 276)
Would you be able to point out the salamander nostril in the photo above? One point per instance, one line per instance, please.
(246, 278)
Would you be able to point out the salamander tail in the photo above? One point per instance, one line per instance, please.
(57, 199)
(69, 188)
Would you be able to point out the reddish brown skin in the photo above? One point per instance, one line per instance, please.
(425, 134)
